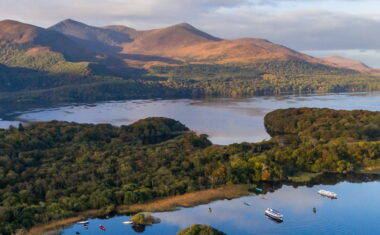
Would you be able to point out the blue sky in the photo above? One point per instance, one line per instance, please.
(320, 27)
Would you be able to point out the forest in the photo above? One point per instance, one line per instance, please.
(55, 170)
(96, 83)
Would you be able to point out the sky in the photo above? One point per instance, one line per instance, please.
(349, 28)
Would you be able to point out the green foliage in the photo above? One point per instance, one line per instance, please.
(144, 218)
(93, 90)
(199, 229)
(48, 77)
(205, 72)
(57, 169)
(17, 55)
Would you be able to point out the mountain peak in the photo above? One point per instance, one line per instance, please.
(16, 32)
(184, 25)
(93, 38)
(66, 23)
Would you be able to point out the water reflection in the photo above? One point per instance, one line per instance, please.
(226, 121)
(138, 228)
(305, 212)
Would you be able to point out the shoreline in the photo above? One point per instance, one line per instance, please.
(187, 200)
(158, 205)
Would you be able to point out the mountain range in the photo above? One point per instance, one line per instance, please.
(180, 59)
(124, 46)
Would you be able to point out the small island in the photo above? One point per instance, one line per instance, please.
(199, 229)
(56, 170)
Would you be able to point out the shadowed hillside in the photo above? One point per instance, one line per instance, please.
(94, 38)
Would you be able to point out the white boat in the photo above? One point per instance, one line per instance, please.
(83, 222)
(127, 222)
(327, 193)
(274, 214)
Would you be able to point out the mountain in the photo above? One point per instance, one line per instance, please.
(26, 35)
(342, 62)
(94, 38)
(73, 61)
(180, 43)
(28, 46)
(158, 41)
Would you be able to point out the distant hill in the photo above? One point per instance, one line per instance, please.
(94, 38)
(183, 43)
(17, 33)
(351, 64)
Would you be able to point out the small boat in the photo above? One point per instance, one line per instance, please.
(328, 194)
(259, 189)
(83, 222)
(127, 222)
(273, 214)
(102, 227)
(247, 204)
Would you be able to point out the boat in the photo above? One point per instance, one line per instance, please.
(102, 227)
(127, 222)
(83, 222)
(273, 214)
(259, 189)
(328, 194)
(247, 204)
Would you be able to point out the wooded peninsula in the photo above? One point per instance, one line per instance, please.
(56, 170)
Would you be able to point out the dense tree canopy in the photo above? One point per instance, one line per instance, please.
(57, 169)
(199, 229)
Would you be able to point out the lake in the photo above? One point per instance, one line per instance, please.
(226, 121)
(354, 212)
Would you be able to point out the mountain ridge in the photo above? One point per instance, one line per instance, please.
(182, 42)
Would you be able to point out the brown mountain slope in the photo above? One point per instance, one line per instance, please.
(17, 33)
(356, 65)
(94, 38)
(183, 42)
(157, 41)
(238, 51)
(176, 44)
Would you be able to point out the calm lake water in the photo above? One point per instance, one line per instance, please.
(356, 211)
(226, 121)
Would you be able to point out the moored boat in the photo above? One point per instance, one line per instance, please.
(327, 194)
(127, 222)
(83, 222)
(273, 214)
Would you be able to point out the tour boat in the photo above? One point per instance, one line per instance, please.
(127, 222)
(83, 222)
(273, 214)
(327, 194)
(102, 227)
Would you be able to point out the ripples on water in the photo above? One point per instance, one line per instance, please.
(354, 212)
